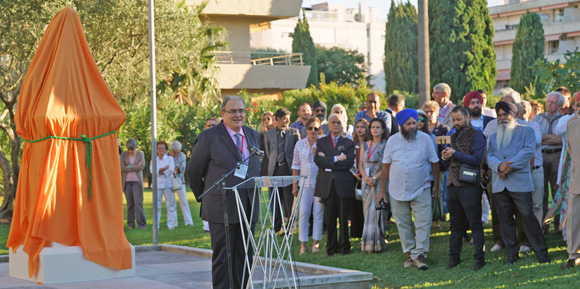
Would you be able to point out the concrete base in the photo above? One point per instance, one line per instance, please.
(63, 264)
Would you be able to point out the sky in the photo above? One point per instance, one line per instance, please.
(381, 5)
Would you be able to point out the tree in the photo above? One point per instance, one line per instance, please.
(340, 65)
(527, 48)
(551, 75)
(461, 46)
(116, 31)
(302, 42)
(401, 66)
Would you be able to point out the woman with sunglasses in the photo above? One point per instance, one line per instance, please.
(268, 122)
(303, 165)
(132, 165)
(370, 165)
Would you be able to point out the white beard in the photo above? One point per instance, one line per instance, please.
(505, 131)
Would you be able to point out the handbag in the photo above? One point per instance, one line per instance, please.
(358, 194)
(176, 183)
(469, 173)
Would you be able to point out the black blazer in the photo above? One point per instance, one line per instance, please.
(214, 154)
(344, 181)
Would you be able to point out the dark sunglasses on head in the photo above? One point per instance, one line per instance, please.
(313, 128)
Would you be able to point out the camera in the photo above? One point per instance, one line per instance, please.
(382, 205)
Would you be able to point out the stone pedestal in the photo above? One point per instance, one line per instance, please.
(63, 264)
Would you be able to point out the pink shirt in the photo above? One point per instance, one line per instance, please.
(246, 151)
(132, 176)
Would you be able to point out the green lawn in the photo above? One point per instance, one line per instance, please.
(387, 267)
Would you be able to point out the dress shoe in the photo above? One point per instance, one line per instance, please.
(453, 262)
(408, 262)
(420, 263)
(571, 263)
(496, 248)
(511, 260)
(478, 264)
(525, 249)
(544, 260)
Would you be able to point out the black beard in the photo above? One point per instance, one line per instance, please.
(320, 117)
(409, 134)
(476, 112)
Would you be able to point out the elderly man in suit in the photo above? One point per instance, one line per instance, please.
(442, 95)
(335, 183)
(573, 218)
(509, 151)
(279, 148)
(218, 150)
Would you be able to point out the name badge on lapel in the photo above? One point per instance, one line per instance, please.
(241, 171)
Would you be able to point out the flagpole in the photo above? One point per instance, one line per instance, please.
(153, 119)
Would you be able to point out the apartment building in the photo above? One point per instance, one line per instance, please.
(239, 67)
(361, 29)
(561, 22)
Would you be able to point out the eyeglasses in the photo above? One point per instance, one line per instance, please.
(234, 111)
(320, 110)
(422, 119)
(313, 128)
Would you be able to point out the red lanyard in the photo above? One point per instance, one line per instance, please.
(241, 148)
(372, 150)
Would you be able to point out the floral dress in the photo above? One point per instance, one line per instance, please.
(373, 237)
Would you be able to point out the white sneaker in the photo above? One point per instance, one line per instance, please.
(524, 249)
(496, 248)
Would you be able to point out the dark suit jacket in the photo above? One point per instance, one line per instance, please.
(215, 154)
(394, 124)
(486, 120)
(292, 136)
(344, 181)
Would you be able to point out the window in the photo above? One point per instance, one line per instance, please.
(553, 46)
(543, 16)
(559, 15)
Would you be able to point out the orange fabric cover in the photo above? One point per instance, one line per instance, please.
(64, 94)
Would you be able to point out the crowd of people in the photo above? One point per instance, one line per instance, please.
(401, 165)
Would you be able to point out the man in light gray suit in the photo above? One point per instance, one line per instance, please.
(442, 95)
(279, 148)
(509, 151)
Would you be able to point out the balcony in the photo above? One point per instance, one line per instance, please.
(261, 70)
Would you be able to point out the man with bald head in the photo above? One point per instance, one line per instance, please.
(509, 151)
(551, 149)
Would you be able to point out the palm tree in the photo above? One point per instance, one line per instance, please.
(423, 49)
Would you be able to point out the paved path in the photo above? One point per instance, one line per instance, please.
(155, 269)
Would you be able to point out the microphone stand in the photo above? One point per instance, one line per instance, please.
(221, 183)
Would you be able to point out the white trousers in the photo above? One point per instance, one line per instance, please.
(182, 195)
(169, 206)
(310, 204)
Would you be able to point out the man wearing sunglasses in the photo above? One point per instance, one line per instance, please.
(319, 110)
(373, 104)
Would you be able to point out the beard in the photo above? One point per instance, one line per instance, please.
(476, 112)
(505, 131)
(409, 134)
(321, 117)
(460, 127)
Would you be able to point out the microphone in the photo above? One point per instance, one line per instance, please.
(256, 151)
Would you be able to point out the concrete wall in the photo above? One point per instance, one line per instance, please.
(274, 9)
(247, 76)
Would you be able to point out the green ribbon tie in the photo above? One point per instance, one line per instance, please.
(87, 141)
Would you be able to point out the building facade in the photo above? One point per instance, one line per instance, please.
(561, 22)
(359, 29)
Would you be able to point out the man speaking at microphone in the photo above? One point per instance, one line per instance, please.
(216, 152)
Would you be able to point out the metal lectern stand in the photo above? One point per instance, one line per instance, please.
(272, 255)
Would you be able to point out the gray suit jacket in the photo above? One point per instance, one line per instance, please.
(271, 147)
(573, 138)
(520, 151)
(448, 121)
(214, 154)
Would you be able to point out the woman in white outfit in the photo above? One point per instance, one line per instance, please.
(165, 168)
(303, 165)
(179, 162)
